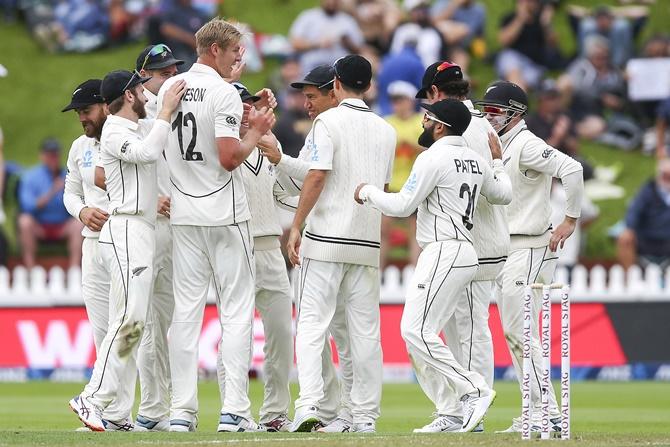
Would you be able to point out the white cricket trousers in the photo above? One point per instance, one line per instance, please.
(442, 272)
(224, 253)
(152, 356)
(127, 247)
(274, 302)
(469, 337)
(526, 266)
(322, 284)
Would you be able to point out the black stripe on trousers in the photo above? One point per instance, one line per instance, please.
(471, 300)
(126, 286)
(428, 306)
(303, 280)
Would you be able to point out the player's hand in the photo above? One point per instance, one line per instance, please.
(173, 96)
(357, 193)
(267, 99)
(237, 69)
(494, 146)
(164, 206)
(245, 115)
(261, 120)
(93, 218)
(269, 147)
(562, 233)
(293, 246)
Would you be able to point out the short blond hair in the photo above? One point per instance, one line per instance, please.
(216, 31)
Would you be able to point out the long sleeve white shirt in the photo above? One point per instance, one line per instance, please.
(444, 185)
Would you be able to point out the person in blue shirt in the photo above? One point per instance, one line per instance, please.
(43, 216)
(405, 66)
(646, 238)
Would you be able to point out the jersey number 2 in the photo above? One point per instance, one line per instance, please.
(183, 121)
(470, 210)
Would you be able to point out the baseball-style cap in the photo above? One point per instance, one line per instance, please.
(244, 93)
(51, 145)
(401, 89)
(452, 113)
(320, 76)
(353, 71)
(506, 94)
(155, 57)
(439, 73)
(86, 93)
(118, 81)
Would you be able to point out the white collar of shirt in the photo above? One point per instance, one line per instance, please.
(354, 102)
(521, 125)
(119, 121)
(450, 140)
(206, 69)
(152, 99)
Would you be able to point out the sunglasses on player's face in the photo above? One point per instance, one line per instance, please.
(155, 51)
(491, 110)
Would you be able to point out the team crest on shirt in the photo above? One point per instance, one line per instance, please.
(231, 120)
(124, 148)
(87, 161)
(410, 184)
(311, 147)
(547, 152)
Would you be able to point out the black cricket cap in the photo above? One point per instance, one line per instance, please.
(156, 57)
(353, 71)
(506, 94)
(86, 93)
(451, 112)
(439, 73)
(118, 81)
(244, 93)
(320, 76)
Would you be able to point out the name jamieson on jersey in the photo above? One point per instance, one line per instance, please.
(469, 166)
(194, 94)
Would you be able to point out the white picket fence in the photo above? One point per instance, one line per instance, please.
(39, 288)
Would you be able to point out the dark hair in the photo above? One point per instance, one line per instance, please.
(455, 88)
(354, 90)
(116, 105)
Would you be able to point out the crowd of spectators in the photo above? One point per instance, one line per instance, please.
(591, 94)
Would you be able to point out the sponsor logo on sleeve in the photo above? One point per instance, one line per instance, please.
(547, 152)
(124, 148)
(231, 120)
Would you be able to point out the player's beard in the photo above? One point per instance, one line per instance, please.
(139, 109)
(426, 138)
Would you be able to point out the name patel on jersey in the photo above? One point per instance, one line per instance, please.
(469, 166)
(194, 94)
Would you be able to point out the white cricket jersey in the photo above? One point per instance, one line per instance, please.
(354, 145)
(80, 189)
(531, 163)
(490, 234)
(128, 152)
(162, 170)
(261, 188)
(203, 192)
(445, 184)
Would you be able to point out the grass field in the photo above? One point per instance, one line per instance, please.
(603, 414)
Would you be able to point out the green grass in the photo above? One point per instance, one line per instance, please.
(39, 85)
(603, 414)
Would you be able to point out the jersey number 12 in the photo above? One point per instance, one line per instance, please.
(183, 121)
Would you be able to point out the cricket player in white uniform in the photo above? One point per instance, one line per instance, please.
(273, 291)
(469, 326)
(209, 216)
(341, 246)
(157, 63)
(88, 203)
(335, 407)
(128, 151)
(444, 184)
(531, 164)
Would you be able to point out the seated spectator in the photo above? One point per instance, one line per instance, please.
(405, 65)
(177, 28)
(43, 216)
(76, 25)
(529, 44)
(662, 136)
(658, 46)
(324, 34)
(646, 238)
(596, 87)
(293, 123)
(619, 31)
(462, 23)
(419, 30)
(407, 123)
(377, 20)
(279, 80)
(551, 122)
